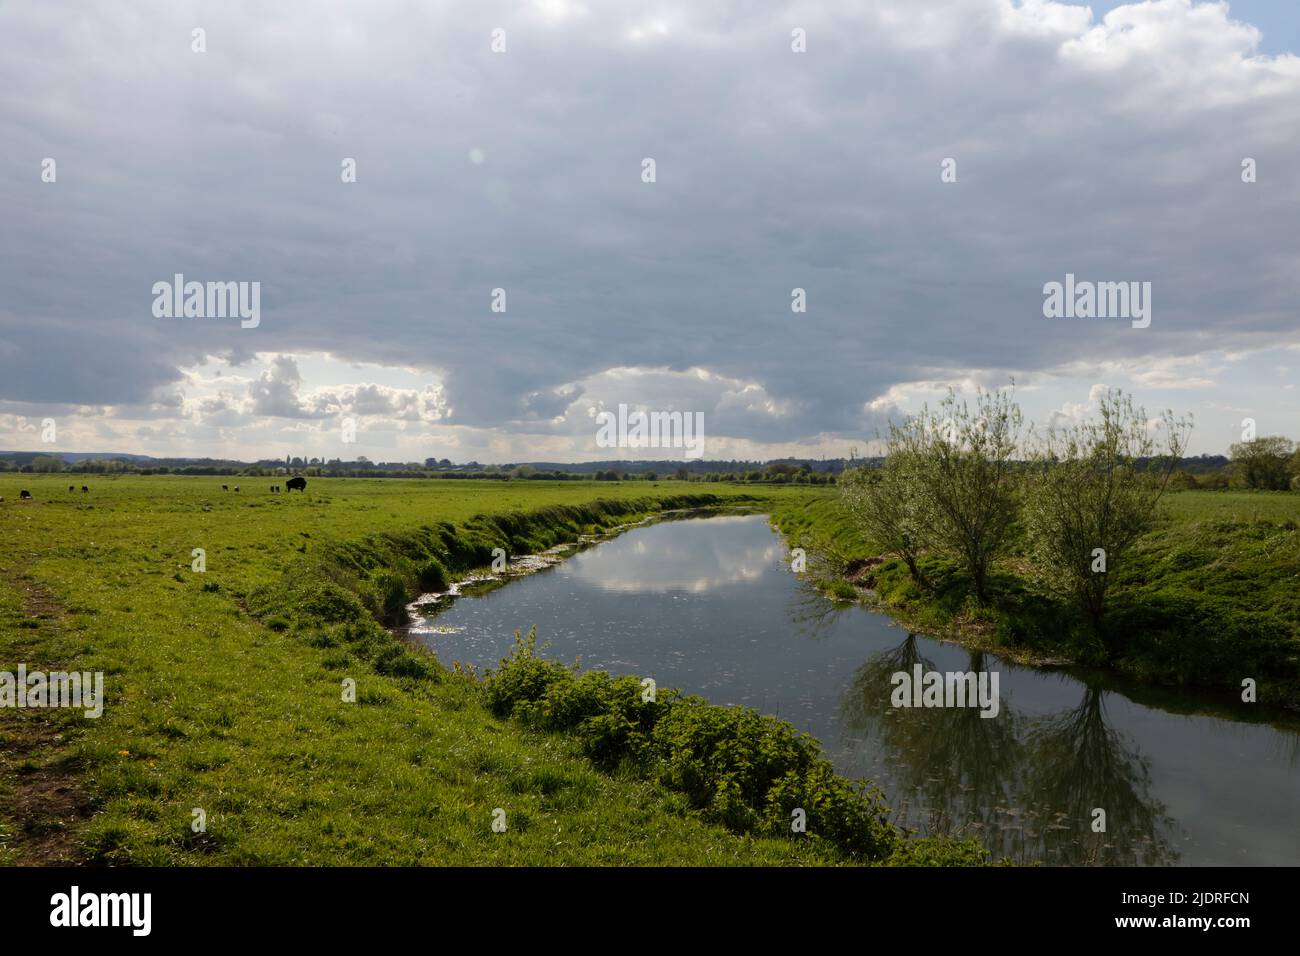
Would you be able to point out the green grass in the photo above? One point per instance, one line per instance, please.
(1210, 597)
(224, 687)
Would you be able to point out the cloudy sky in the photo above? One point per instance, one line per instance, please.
(1105, 142)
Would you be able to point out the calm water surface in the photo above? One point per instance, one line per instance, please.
(710, 606)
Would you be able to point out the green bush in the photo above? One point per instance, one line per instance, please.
(735, 766)
(523, 680)
(386, 597)
(433, 576)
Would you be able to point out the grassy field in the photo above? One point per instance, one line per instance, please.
(224, 687)
(1210, 597)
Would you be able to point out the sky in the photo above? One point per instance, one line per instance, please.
(1277, 20)
(504, 267)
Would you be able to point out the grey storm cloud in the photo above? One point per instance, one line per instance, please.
(1111, 151)
(551, 403)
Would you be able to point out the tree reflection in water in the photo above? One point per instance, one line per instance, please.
(1078, 763)
(1024, 786)
(813, 616)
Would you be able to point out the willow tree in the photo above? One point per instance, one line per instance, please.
(963, 468)
(1093, 491)
(885, 503)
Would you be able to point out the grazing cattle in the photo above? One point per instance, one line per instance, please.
(84, 488)
(236, 487)
(70, 487)
(297, 481)
(225, 487)
(24, 493)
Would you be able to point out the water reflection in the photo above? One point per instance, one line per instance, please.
(1026, 786)
(1078, 762)
(814, 616)
(656, 562)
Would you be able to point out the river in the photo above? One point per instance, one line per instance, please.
(710, 606)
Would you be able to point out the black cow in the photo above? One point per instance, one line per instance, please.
(236, 487)
(225, 487)
(297, 481)
(84, 488)
(24, 493)
(71, 487)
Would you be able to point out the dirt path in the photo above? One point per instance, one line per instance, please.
(41, 799)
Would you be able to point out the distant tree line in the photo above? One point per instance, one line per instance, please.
(1267, 463)
(778, 472)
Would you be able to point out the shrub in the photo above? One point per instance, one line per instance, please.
(523, 677)
(387, 598)
(433, 576)
(737, 767)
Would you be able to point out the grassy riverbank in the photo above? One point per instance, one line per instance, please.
(1211, 596)
(224, 689)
